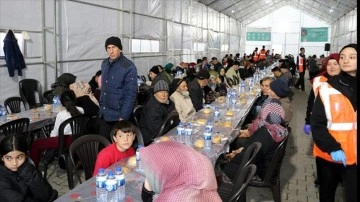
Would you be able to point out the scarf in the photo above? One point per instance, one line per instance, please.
(177, 172)
(272, 117)
(82, 88)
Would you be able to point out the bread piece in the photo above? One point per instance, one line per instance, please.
(165, 138)
(221, 99)
(199, 143)
(228, 124)
(131, 163)
(201, 121)
(207, 111)
(229, 113)
(216, 139)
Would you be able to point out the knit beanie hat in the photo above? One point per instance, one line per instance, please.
(155, 70)
(168, 66)
(161, 85)
(280, 87)
(203, 74)
(175, 84)
(113, 41)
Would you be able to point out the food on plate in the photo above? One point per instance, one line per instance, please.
(35, 110)
(221, 99)
(35, 116)
(229, 112)
(201, 121)
(125, 169)
(131, 163)
(199, 143)
(216, 139)
(165, 138)
(47, 107)
(227, 124)
(243, 102)
(207, 110)
(11, 117)
(243, 95)
(252, 93)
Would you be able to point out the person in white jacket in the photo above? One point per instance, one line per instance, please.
(182, 100)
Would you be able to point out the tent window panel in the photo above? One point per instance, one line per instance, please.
(145, 46)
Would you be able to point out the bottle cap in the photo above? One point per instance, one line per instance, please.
(101, 170)
(110, 174)
(117, 169)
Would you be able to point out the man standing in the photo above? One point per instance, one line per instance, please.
(196, 88)
(301, 66)
(118, 87)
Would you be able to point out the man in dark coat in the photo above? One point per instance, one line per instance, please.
(196, 88)
(155, 111)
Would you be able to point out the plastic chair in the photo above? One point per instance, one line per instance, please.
(48, 97)
(30, 90)
(143, 78)
(16, 127)
(237, 191)
(272, 175)
(137, 114)
(83, 152)
(15, 104)
(171, 121)
(78, 125)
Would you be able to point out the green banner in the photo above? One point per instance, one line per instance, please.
(319, 34)
(258, 36)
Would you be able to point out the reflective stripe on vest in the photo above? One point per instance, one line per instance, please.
(256, 57)
(262, 54)
(301, 64)
(317, 82)
(341, 123)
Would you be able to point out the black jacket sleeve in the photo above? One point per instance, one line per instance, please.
(38, 187)
(320, 133)
(310, 104)
(196, 96)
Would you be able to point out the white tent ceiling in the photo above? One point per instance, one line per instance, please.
(248, 11)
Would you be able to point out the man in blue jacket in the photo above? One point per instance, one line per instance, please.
(118, 87)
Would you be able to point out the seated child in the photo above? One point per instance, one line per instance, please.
(123, 134)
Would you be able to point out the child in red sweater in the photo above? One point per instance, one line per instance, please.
(123, 134)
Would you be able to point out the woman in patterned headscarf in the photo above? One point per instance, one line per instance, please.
(179, 174)
(268, 129)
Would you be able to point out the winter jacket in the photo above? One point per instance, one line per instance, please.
(26, 184)
(13, 56)
(196, 94)
(153, 116)
(183, 106)
(118, 89)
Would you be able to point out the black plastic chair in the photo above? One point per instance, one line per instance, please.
(236, 192)
(143, 78)
(48, 97)
(79, 126)
(171, 121)
(272, 175)
(15, 105)
(137, 114)
(15, 127)
(31, 91)
(83, 152)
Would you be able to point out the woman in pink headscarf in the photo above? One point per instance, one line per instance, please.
(177, 172)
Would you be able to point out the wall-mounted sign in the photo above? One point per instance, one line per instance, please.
(258, 36)
(319, 34)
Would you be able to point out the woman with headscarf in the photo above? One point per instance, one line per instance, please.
(268, 129)
(179, 174)
(334, 129)
(329, 69)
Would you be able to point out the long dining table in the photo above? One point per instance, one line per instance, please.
(227, 132)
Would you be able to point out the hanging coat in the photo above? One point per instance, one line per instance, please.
(13, 56)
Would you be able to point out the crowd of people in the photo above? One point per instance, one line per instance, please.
(111, 95)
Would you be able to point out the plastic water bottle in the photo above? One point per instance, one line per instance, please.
(100, 186)
(120, 180)
(138, 160)
(208, 126)
(56, 103)
(180, 132)
(207, 138)
(188, 133)
(111, 187)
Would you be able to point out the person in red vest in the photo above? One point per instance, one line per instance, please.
(262, 54)
(255, 55)
(301, 66)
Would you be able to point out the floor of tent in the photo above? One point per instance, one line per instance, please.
(298, 170)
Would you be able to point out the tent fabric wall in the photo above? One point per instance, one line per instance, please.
(82, 26)
(344, 31)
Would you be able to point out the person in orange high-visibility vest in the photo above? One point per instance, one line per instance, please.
(255, 55)
(301, 66)
(334, 129)
(262, 54)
